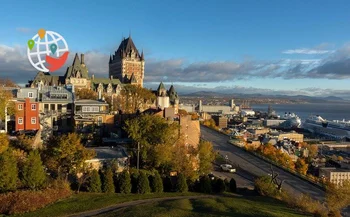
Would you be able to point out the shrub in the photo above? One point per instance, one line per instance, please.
(265, 187)
(205, 185)
(125, 182)
(108, 185)
(94, 182)
(181, 184)
(8, 172)
(33, 171)
(143, 184)
(156, 183)
(28, 201)
(233, 185)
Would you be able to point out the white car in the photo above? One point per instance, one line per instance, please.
(227, 168)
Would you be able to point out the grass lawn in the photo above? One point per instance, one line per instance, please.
(89, 201)
(222, 206)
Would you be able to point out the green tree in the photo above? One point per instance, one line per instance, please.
(156, 183)
(33, 172)
(95, 182)
(150, 131)
(4, 142)
(181, 184)
(66, 155)
(206, 156)
(8, 172)
(233, 185)
(143, 184)
(108, 182)
(125, 182)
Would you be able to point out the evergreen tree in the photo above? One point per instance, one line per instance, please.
(108, 182)
(134, 181)
(8, 172)
(205, 185)
(233, 186)
(143, 184)
(95, 182)
(220, 186)
(125, 182)
(156, 183)
(33, 174)
(181, 185)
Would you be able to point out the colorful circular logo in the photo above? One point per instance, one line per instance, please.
(47, 51)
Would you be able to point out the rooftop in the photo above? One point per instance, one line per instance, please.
(109, 152)
(89, 102)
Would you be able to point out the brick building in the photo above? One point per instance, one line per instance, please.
(27, 115)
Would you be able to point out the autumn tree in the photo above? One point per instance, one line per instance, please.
(301, 166)
(338, 196)
(4, 142)
(6, 103)
(8, 172)
(206, 157)
(24, 143)
(133, 98)
(65, 154)
(85, 93)
(194, 115)
(182, 112)
(33, 172)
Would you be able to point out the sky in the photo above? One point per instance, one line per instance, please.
(275, 46)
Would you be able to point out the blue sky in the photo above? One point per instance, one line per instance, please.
(177, 35)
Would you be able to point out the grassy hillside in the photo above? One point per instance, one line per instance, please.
(211, 207)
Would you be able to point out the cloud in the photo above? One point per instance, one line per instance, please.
(23, 29)
(306, 51)
(15, 65)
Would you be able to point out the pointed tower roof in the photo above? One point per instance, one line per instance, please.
(161, 87)
(133, 79)
(126, 45)
(110, 58)
(171, 89)
(76, 60)
(142, 57)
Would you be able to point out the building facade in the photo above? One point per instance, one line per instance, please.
(127, 64)
(167, 98)
(27, 110)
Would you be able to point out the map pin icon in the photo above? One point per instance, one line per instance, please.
(53, 48)
(31, 44)
(41, 33)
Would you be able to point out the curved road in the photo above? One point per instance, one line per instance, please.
(250, 166)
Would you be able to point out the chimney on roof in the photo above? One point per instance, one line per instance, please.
(82, 59)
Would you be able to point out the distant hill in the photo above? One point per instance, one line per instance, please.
(310, 99)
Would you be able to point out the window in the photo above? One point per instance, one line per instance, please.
(91, 109)
(30, 94)
(20, 107)
(33, 107)
(33, 120)
(59, 107)
(20, 120)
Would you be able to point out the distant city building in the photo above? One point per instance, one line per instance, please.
(127, 64)
(334, 175)
(220, 121)
(298, 137)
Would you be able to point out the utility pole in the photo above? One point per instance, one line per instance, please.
(6, 118)
(138, 156)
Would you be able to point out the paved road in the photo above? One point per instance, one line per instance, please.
(250, 166)
(135, 203)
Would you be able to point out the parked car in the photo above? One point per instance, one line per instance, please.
(227, 168)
